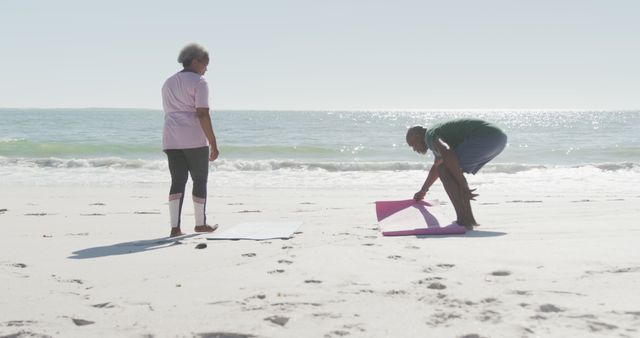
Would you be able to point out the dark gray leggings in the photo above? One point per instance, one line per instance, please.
(185, 161)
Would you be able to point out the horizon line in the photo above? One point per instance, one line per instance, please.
(347, 110)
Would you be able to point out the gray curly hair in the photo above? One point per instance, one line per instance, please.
(190, 52)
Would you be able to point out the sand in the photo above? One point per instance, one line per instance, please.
(94, 261)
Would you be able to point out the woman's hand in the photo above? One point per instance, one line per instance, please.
(214, 154)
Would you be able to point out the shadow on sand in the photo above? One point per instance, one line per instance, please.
(468, 234)
(129, 247)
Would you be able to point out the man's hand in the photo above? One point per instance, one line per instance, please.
(214, 154)
(419, 196)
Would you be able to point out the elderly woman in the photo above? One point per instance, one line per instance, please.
(188, 138)
(460, 146)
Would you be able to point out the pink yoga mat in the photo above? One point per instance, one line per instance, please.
(410, 218)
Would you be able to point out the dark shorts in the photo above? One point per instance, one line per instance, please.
(476, 151)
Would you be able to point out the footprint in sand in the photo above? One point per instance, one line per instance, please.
(248, 211)
(106, 305)
(489, 316)
(550, 308)
(436, 286)
(37, 214)
(429, 279)
(443, 317)
(278, 320)
(250, 254)
(275, 271)
(258, 296)
(93, 214)
(98, 204)
(19, 265)
(17, 323)
(446, 266)
(81, 322)
(394, 257)
(223, 335)
(146, 212)
(326, 315)
(501, 273)
(585, 316)
(2, 211)
(599, 326)
(313, 281)
(284, 261)
(76, 281)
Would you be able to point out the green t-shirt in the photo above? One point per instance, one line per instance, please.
(455, 131)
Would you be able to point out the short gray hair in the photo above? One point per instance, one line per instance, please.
(190, 52)
(415, 132)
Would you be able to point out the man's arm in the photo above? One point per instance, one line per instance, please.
(431, 178)
(205, 123)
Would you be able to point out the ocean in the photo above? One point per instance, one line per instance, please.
(310, 148)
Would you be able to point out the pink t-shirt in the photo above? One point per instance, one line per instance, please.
(182, 93)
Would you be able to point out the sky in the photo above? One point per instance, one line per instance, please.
(326, 55)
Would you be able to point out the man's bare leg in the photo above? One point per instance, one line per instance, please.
(467, 208)
(469, 213)
(454, 192)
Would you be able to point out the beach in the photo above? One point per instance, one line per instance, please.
(94, 261)
(85, 251)
(326, 123)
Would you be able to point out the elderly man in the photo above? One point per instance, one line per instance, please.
(459, 146)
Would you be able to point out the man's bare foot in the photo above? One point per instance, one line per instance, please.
(205, 228)
(175, 232)
(466, 226)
